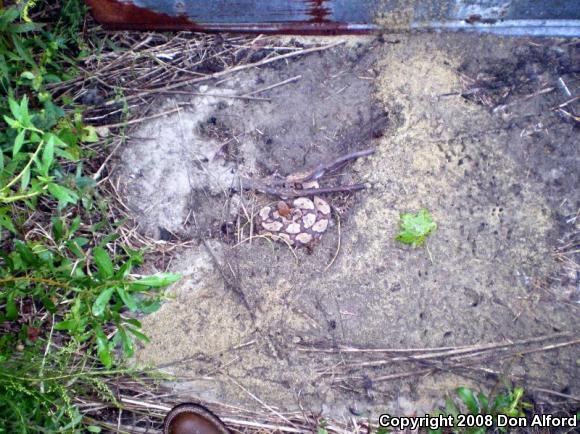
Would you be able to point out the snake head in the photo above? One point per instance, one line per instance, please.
(283, 209)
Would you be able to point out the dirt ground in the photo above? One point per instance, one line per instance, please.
(248, 320)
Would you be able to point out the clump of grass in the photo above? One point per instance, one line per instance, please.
(38, 390)
(508, 402)
(68, 288)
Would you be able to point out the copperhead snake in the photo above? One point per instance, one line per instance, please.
(297, 222)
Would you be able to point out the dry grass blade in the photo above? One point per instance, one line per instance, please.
(441, 350)
(445, 358)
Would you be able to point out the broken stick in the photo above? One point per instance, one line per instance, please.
(278, 187)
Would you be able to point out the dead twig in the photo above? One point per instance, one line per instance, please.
(143, 119)
(559, 394)
(279, 186)
(337, 246)
(214, 95)
(145, 92)
(345, 349)
(295, 192)
(273, 86)
(324, 168)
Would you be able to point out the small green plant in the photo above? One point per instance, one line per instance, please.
(38, 390)
(509, 402)
(68, 288)
(416, 227)
(26, 6)
(85, 299)
(39, 137)
(29, 169)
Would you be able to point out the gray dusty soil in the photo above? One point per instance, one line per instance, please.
(502, 186)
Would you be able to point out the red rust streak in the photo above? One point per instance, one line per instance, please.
(116, 15)
(113, 14)
(318, 11)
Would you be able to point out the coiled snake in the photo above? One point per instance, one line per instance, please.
(298, 222)
(297, 219)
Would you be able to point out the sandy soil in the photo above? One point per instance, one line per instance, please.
(502, 186)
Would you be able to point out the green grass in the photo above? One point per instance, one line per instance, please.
(508, 402)
(68, 288)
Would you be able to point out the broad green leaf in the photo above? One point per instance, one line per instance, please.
(28, 75)
(75, 225)
(134, 322)
(18, 142)
(75, 247)
(25, 253)
(127, 343)
(124, 270)
(11, 309)
(450, 407)
(8, 15)
(416, 227)
(157, 280)
(23, 28)
(483, 402)
(63, 194)
(24, 110)
(12, 123)
(468, 398)
(51, 78)
(104, 263)
(500, 403)
(103, 349)
(25, 179)
(48, 304)
(89, 134)
(59, 143)
(107, 238)
(102, 302)
(6, 222)
(22, 51)
(150, 306)
(84, 182)
(48, 155)
(58, 228)
(138, 335)
(15, 109)
(69, 324)
(127, 298)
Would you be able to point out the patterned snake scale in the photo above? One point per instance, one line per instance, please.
(298, 222)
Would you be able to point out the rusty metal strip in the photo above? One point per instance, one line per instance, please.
(532, 17)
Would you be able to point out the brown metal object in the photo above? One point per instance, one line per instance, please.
(191, 418)
(327, 17)
(116, 15)
(312, 17)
